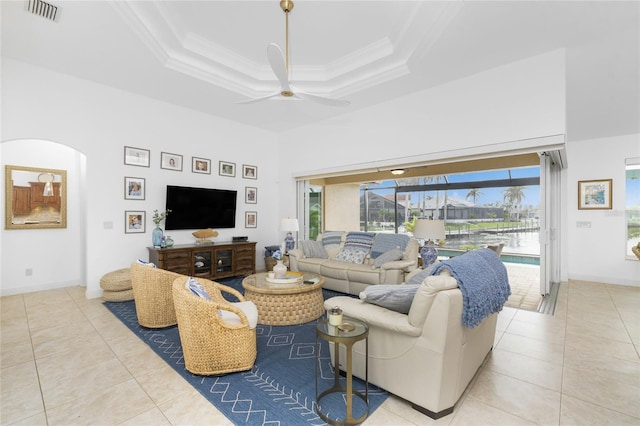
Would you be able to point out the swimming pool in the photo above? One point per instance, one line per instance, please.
(526, 259)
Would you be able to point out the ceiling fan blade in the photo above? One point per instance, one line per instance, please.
(276, 60)
(260, 99)
(280, 66)
(322, 100)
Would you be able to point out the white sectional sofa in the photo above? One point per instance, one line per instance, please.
(349, 276)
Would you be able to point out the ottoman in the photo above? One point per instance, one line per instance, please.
(116, 286)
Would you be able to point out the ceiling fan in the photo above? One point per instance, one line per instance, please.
(280, 65)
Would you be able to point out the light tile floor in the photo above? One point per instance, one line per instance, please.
(524, 281)
(66, 360)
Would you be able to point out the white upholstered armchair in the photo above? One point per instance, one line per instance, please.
(426, 356)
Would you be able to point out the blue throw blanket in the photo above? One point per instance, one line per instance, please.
(483, 280)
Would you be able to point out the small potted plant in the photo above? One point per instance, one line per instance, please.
(156, 234)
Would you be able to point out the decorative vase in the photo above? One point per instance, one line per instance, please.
(289, 242)
(156, 236)
(168, 241)
(429, 254)
(279, 270)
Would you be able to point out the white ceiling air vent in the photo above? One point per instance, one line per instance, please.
(44, 9)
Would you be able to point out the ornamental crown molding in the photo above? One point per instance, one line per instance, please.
(180, 49)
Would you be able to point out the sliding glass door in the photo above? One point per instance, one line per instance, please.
(309, 209)
(550, 185)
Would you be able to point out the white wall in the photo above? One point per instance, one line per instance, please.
(341, 207)
(522, 100)
(598, 253)
(98, 122)
(44, 251)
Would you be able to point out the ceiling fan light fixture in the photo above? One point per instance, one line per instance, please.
(286, 5)
(279, 62)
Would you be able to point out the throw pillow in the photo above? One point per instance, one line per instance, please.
(395, 297)
(420, 276)
(352, 255)
(384, 242)
(360, 239)
(313, 249)
(142, 262)
(389, 256)
(196, 288)
(330, 238)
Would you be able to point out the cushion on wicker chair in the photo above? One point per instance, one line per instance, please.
(250, 310)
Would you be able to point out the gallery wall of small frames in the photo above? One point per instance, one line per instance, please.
(135, 187)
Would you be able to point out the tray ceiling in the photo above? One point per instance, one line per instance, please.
(207, 55)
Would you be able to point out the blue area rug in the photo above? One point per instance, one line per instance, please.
(279, 390)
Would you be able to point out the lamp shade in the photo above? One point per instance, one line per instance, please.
(289, 225)
(428, 229)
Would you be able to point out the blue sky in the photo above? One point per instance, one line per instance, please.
(632, 189)
(633, 193)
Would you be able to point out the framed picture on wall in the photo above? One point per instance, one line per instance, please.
(134, 188)
(200, 165)
(249, 172)
(251, 219)
(250, 195)
(134, 221)
(227, 169)
(171, 161)
(595, 194)
(136, 156)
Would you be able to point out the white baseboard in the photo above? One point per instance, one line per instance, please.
(42, 287)
(604, 280)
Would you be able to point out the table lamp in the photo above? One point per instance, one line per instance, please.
(430, 231)
(289, 225)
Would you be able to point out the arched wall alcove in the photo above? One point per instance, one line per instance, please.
(44, 259)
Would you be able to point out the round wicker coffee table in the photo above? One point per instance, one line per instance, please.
(285, 304)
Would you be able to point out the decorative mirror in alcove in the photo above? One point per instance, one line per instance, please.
(35, 198)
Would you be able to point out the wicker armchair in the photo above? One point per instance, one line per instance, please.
(210, 345)
(152, 293)
(636, 251)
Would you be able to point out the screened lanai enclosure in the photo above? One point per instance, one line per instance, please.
(478, 208)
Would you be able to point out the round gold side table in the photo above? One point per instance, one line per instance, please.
(350, 332)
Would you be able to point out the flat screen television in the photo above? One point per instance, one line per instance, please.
(199, 208)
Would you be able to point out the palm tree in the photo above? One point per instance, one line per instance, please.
(513, 196)
(474, 193)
